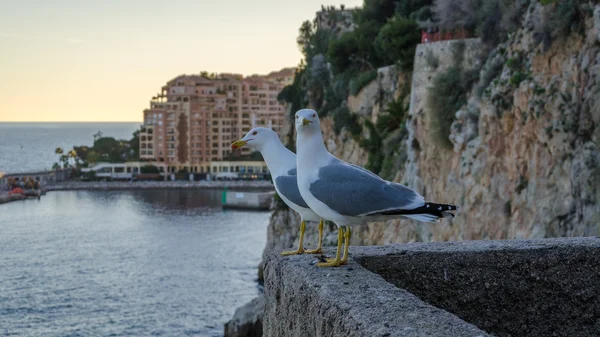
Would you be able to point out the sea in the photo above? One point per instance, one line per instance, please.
(26, 147)
(119, 263)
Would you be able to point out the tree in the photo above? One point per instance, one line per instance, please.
(414, 9)
(92, 157)
(149, 169)
(58, 150)
(341, 51)
(97, 136)
(376, 10)
(134, 144)
(397, 42)
(305, 33)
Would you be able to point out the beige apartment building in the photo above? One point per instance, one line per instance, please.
(194, 119)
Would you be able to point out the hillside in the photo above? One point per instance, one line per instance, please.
(506, 127)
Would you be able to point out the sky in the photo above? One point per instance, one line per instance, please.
(103, 60)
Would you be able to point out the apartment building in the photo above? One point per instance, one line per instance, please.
(195, 118)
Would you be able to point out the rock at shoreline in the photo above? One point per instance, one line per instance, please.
(4, 198)
(247, 320)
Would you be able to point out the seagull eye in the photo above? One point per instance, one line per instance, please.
(314, 115)
(254, 133)
(296, 116)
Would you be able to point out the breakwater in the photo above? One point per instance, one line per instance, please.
(258, 185)
(4, 197)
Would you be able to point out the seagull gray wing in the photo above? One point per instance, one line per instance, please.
(288, 187)
(354, 191)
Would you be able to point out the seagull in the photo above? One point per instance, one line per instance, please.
(348, 194)
(282, 165)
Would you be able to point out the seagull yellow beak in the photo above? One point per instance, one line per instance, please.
(238, 144)
(305, 122)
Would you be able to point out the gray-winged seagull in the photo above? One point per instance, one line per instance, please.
(282, 165)
(348, 194)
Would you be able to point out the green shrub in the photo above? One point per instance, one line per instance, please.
(394, 152)
(446, 96)
(343, 118)
(514, 63)
(363, 79)
(340, 52)
(355, 50)
(397, 42)
(395, 116)
(373, 147)
(566, 18)
(539, 91)
(516, 79)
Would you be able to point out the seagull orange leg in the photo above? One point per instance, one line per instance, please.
(300, 249)
(318, 250)
(336, 261)
(347, 236)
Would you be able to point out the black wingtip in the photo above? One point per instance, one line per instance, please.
(438, 210)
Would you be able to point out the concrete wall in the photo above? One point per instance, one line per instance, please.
(548, 287)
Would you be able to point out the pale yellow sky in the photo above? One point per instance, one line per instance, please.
(103, 60)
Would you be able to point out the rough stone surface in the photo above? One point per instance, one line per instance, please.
(304, 300)
(597, 21)
(547, 287)
(525, 157)
(543, 287)
(247, 320)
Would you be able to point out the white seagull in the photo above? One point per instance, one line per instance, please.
(282, 165)
(348, 194)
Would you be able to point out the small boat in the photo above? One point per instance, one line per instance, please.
(33, 193)
(247, 200)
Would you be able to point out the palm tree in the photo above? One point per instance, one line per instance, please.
(73, 154)
(65, 160)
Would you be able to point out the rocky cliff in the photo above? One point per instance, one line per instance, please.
(522, 158)
(524, 153)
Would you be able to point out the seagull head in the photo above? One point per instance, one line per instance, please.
(307, 120)
(256, 139)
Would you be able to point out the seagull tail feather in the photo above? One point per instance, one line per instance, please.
(429, 212)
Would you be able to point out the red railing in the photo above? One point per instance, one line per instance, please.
(444, 36)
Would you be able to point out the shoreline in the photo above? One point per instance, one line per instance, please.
(240, 185)
(261, 185)
(6, 198)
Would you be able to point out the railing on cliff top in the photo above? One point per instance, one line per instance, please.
(445, 35)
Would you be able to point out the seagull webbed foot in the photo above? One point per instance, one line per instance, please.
(336, 262)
